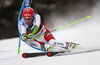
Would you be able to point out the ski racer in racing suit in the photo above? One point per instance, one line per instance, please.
(31, 26)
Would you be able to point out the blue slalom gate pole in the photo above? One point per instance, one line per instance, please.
(26, 3)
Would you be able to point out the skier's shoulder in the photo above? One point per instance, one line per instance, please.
(21, 22)
(36, 15)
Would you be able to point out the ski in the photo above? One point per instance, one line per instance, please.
(62, 53)
(58, 53)
(49, 54)
(28, 55)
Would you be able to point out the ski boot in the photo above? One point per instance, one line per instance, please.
(71, 46)
(52, 48)
(46, 47)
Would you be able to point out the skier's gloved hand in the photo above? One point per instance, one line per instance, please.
(24, 37)
(30, 38)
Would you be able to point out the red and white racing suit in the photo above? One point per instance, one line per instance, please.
(47, 38)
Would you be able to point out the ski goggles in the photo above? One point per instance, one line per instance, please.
(27, 19)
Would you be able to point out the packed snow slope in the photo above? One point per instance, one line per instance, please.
(86, 33)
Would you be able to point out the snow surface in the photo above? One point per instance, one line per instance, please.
(9, 56)
(87, 33)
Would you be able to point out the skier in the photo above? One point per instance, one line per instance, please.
(31, 26)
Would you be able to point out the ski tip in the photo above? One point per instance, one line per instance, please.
(49, 54)
(24, 55)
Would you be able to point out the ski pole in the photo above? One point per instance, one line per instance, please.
(63, 26)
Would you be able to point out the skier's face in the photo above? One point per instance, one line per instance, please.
(28, 20)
